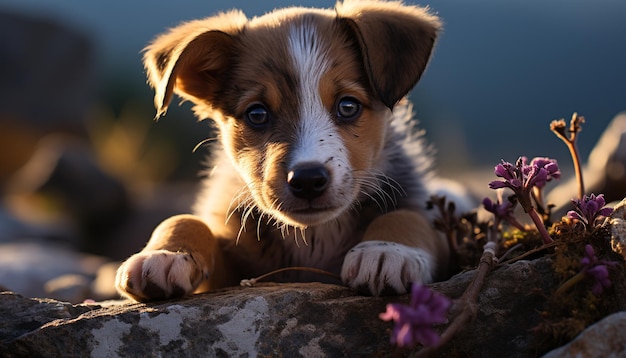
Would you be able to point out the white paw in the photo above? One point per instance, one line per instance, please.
(381, 266)
(159, 274)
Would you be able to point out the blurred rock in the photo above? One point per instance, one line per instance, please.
(69, 288)
(103, 286)
(64, 209)
(617, 224)
(29, 268)
(48, 84)
(13, 229)
(603, 339)
(65, 171)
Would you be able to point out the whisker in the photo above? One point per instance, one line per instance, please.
(375, 201)
(393, 184)
(373, 183)
(377, 190)
(240, 203)
(244, 218)
(258, 228)
(202, 142)
(302, 233)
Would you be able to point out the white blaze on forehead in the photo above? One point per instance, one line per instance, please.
(318, 139)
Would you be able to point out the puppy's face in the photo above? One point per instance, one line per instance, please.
(301, 98)
(299, 120)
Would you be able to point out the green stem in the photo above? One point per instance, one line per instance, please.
(570, 283)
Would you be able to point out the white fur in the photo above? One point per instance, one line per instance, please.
(154, 269)
(318, 138)
(402, 265)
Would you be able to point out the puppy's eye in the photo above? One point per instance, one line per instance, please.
(256, 116)
(348, 108)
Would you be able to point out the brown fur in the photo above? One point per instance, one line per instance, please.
(376, 53)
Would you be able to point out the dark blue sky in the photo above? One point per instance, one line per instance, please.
(501, 72)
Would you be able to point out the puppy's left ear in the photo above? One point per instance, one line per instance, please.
(395, 40)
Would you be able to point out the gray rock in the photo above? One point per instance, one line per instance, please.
(617, 224)
(33, 269)
(604, 339)
(270, 319)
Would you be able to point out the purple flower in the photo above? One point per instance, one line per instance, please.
(589, 209)
(596, 269)
(600, 275)
(414, 322)
(544, 169)
(503, 211)
(523, 177)
(525, 180)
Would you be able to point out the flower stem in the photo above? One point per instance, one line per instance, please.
(540, 226)
(577, 168)
(467, 303)
(569, 283)
(559, 128)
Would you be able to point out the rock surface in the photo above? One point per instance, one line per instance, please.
(270, 319)
(603, 339)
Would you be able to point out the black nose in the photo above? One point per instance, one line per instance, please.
(308, 181)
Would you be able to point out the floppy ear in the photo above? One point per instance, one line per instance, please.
(395, 40)
(192, 59)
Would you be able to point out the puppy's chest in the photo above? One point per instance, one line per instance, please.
(321, 247)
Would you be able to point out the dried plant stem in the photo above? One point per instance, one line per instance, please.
(251, 282)
(508, 252)
(569, 136)
(577, 168)
(530, 252)
(467, 303)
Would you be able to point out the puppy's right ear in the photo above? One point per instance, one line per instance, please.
(192, 59)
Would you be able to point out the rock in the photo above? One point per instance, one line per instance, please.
(90, 199)
(49, 83)
(69, 287)
(296, 319)
(603, 339)
(617, 223)
(22, 315)
(33, 269)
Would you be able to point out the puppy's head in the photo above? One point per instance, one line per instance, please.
(302, 97)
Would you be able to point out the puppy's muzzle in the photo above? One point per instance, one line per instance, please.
(308, 181)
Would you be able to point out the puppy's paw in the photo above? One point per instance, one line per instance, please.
(159, 274)
(382, 267)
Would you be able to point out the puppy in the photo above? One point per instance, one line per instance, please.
(318, 164)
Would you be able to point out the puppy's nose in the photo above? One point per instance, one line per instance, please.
(308, 181)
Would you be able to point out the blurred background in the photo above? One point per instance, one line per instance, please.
(83, 164)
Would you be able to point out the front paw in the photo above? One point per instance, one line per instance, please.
(377, 267)
(159, 274)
